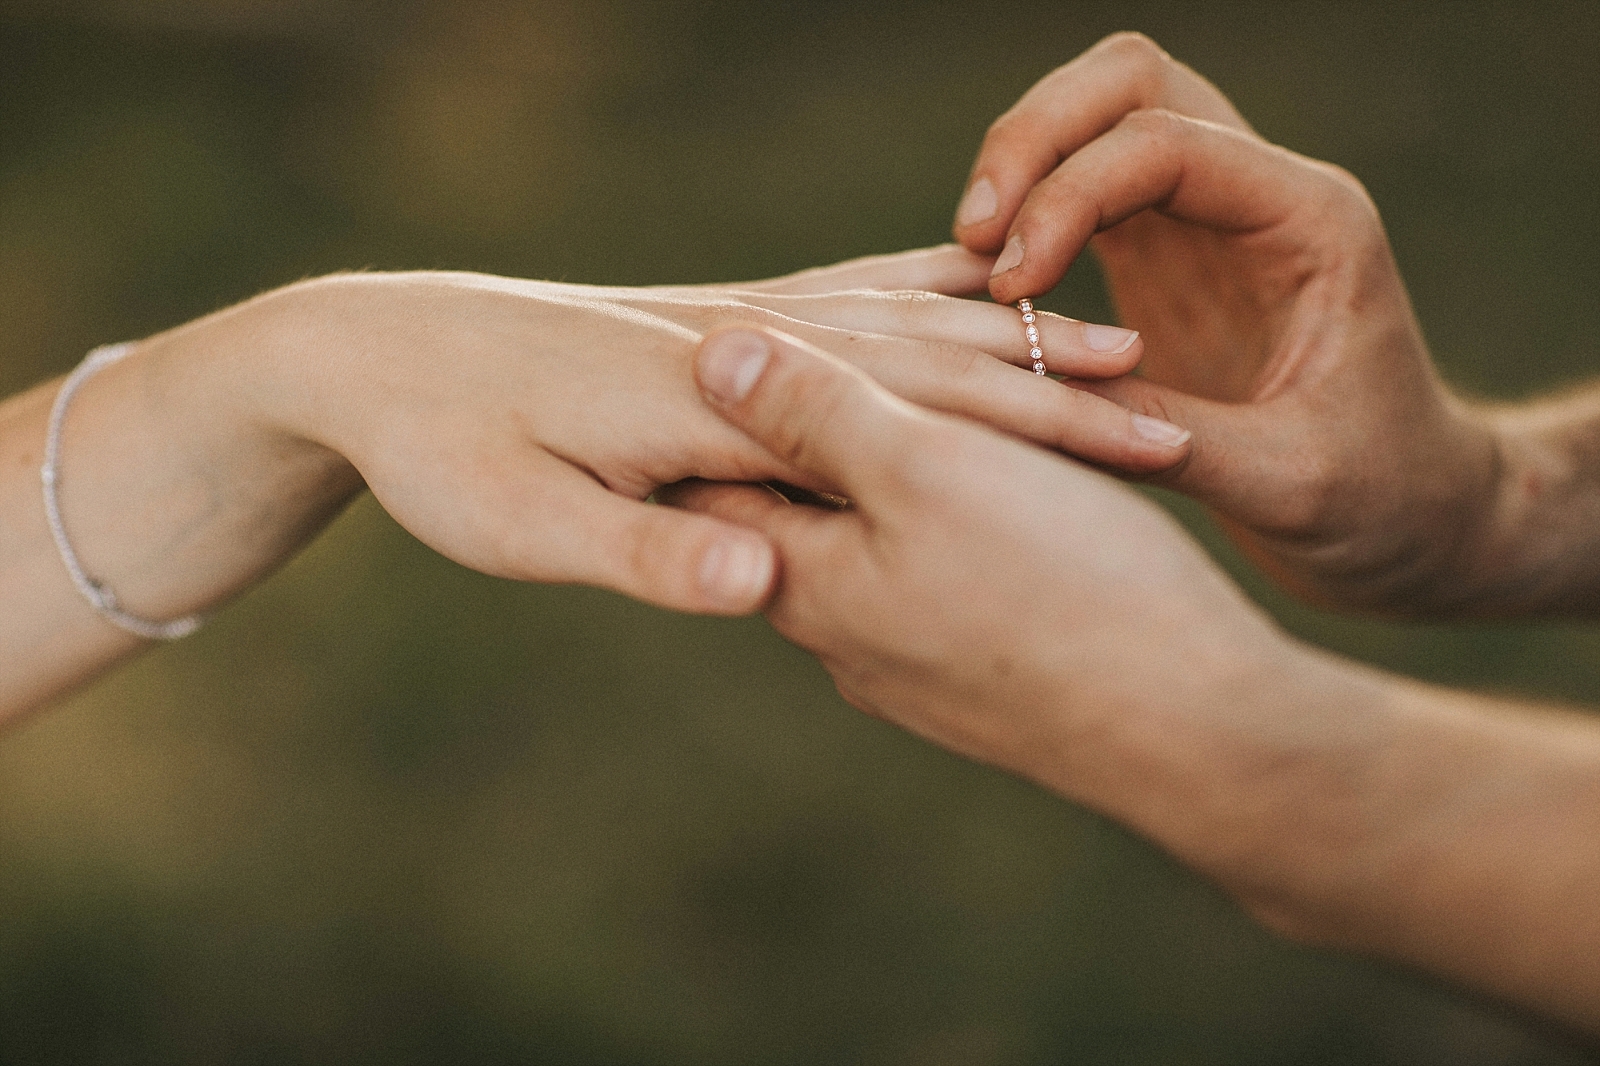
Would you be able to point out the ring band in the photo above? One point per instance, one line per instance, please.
(1031, 330)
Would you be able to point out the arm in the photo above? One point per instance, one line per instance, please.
(174, 493)
(1538, 548)
(515, 426)
(1278, 330)
(1057, 625)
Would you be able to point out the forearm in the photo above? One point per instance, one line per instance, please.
(174, 492)
(1349, 809)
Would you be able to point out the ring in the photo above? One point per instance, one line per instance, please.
(1035, 352)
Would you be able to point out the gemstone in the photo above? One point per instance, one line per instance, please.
(1038, 368)
(1033, 334)
(1027, 316)
(1037, 354)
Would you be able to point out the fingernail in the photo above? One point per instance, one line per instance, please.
(1009, 259)
(1159, 432)
(735, 572)
(730, 364)
(1109, 339)
(979, 204)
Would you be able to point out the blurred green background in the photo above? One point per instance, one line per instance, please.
(385, 810)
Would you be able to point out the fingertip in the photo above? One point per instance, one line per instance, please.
(980, 203)
(1010, 279)
(730, 362)
(1100, 352)
(737, 573)
(1155, 446)
(1160, 432)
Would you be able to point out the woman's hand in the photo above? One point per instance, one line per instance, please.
(1276, 325)
(1002, 601)
(515, 426)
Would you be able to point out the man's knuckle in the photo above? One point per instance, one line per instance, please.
(814, 403)
(1133, 46)
(1145, 61)
(1315, 480)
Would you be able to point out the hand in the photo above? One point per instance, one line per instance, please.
(1276, 325)
(516, 426)
(1004, 602)
(1052, 623)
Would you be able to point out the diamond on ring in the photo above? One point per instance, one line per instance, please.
(1035, 352)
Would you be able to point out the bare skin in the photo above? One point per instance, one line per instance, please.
(515, 426)
(1279, 331)
(1053, 623)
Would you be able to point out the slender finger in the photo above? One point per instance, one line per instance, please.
(1068, 346)
(1187, 169)
(567, 528)
(1067, 109)
(947, 268)
(963, 382)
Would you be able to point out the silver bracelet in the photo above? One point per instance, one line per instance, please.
(98, 595)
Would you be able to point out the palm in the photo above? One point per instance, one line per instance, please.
(1211, 305)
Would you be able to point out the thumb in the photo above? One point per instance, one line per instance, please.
(833, 426)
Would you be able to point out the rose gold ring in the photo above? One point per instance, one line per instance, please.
(1030, 329)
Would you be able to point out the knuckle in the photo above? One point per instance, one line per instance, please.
(909, 305)
(1146, 60)
(1316, 480)
(813, 401)
(1003, 132)
(1156, 123)
(1132, 45)
(1345, 192)
(955, 362)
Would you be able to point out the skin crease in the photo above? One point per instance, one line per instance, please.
(515, 426)
(1054, 624)
(1278, 330)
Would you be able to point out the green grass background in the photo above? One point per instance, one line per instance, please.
(384, 810)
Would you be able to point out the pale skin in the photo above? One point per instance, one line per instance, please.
(1052, 623)
(515, 426)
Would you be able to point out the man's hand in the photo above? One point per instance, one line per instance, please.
(1276, 326)
(994, 597)
(1019, 609)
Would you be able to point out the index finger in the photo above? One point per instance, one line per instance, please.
(1066, 110)
(948, 269)
(1185, 168)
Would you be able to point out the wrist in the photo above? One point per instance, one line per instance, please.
(239, 488)
(1531, 546)
(1257, 777)
(1428, 531)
